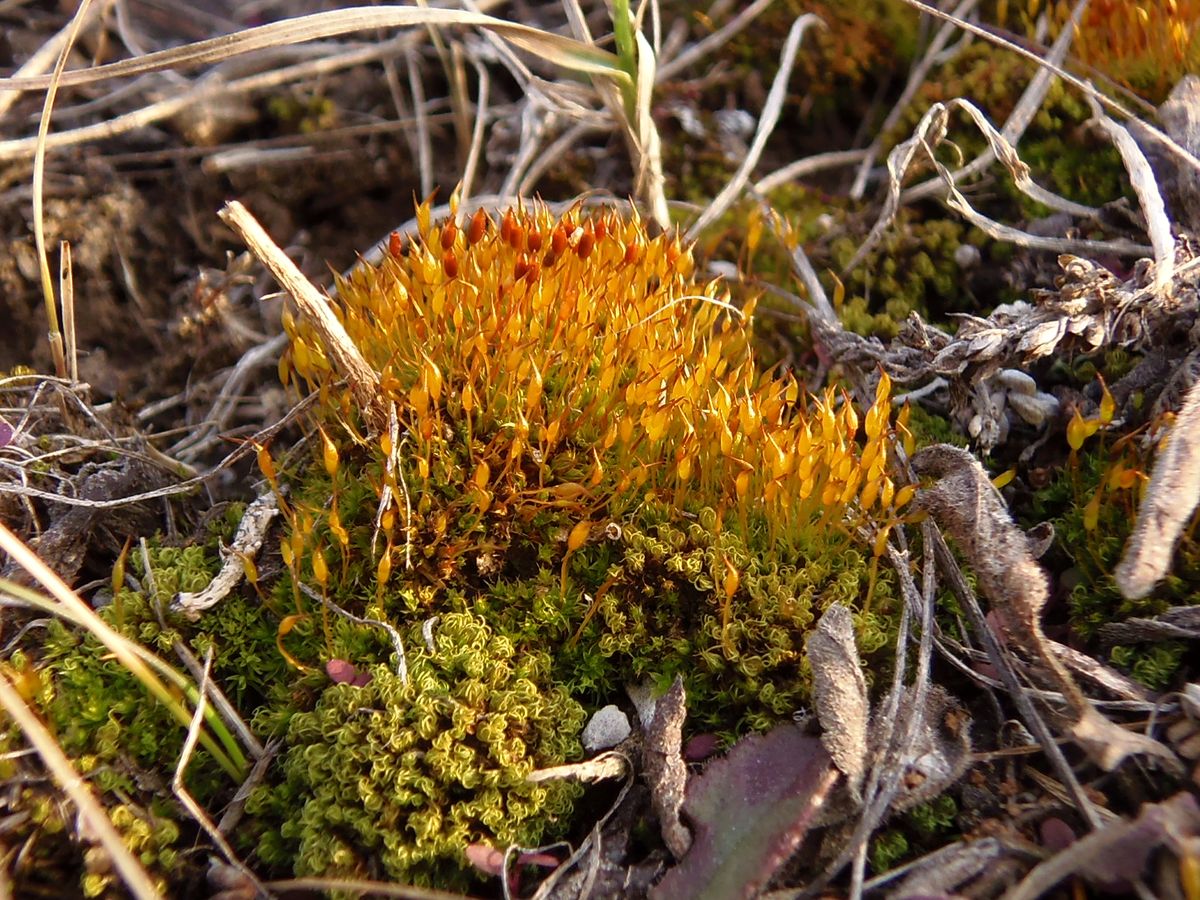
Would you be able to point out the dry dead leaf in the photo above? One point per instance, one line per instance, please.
(970, 510)
(1171, 496)
(665, 770)
(840, 693)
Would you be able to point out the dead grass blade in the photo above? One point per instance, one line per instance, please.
(132, 873)
(195, 810)
(1027, 106)
(1141, 176)
(126, 652)
(929, 134)
(39, 181)
(206, 92)
(46, 54)
(66, 290)
(766, 124)
(364, 381)
(915, 79)
(552, 48)
(424, 145)
(965, 504)
(651, 184)
(1171, 497)
(475, 150)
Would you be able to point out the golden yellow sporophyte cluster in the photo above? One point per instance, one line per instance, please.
(1144, 43)
(574, 368)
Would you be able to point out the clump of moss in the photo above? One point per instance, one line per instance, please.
(98, 708)
(119, 738)
(668, 608)
(914, 268)
(568, 400)
(1144, 45)
(408, 773)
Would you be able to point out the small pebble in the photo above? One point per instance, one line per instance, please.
(607, 728)
(967, 256)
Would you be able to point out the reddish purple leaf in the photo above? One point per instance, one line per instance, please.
(1056, 834)
(342, 672)
(701, 747)
(485, 858)
(750, 810)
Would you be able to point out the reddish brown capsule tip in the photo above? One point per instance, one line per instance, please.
(507, 226)
(584, 247)
(549, 259)
(520, 268)
(672, 252)
(449, 233)
(534, 272)
(601, 229)
(558, 240)
(477, 227)
(534, 241)
(450, 264)
(632, 252)
(395, 248)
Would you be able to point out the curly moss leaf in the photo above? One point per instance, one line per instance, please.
(749, 811)
(407, 776)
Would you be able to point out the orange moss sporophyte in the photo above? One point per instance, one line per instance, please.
(575, 366)
(1144, 44)
(584, 480)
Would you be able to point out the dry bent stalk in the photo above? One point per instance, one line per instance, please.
(969, 509)
(1171, 497)
(343, 354)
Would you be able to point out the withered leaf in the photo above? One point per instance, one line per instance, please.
(750, 811)
(840, 693)
(964, 503)
(665, 770)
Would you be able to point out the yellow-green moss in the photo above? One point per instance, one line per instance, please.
(406, 776)
(594, 479)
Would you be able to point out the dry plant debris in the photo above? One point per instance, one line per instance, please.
(965, 504)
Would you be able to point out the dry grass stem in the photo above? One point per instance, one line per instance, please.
(551, 47)
(1170, 499)
(397, 642)
(225, 709)
(651, 185)
(916, 78)
(766, 124)
(475, 149)
(810, 165)
(66, 291)
(204, 92)
(1141, 177)
(1055, 68)
(39, 183)
(195, 810)
(424, 144)
(45, 56)
(1027, 106)
(133, 874)
(129, 654)
(349, 362)
(929, 134)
